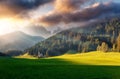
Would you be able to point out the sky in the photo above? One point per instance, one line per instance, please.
(117, 0)
(17, 15)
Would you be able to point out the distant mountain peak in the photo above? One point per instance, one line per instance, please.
(18, 41)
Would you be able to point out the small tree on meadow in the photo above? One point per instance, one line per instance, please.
(98, 48)
(104, 47)
(114, 47)
(118, 43)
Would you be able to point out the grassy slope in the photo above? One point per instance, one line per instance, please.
(25, 56)
(80, 66)
(93, 58)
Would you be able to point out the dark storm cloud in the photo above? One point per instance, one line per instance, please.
(24, 4)
(95, 11)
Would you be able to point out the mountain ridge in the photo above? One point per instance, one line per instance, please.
(18, 41)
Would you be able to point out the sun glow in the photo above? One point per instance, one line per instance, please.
(8, 25)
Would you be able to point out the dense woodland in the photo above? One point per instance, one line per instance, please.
(103, 36)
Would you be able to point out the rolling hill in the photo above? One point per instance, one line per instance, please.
(17, 41)
(93, 58)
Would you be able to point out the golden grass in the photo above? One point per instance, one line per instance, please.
(93, 58)
(26, 56)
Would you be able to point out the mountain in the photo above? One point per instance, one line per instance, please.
(17, 41)
(37, 31)
(81, 39)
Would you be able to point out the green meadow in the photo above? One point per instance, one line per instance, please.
(93, 65)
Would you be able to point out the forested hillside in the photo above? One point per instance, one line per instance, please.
(101, 36)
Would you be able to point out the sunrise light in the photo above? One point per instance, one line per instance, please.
(8, 25)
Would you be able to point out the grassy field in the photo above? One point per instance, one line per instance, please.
(94, 65)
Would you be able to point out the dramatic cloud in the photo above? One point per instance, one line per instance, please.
(25, 4)
(95, 11)
(5, 11)
(14, 7)
(68, 5)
